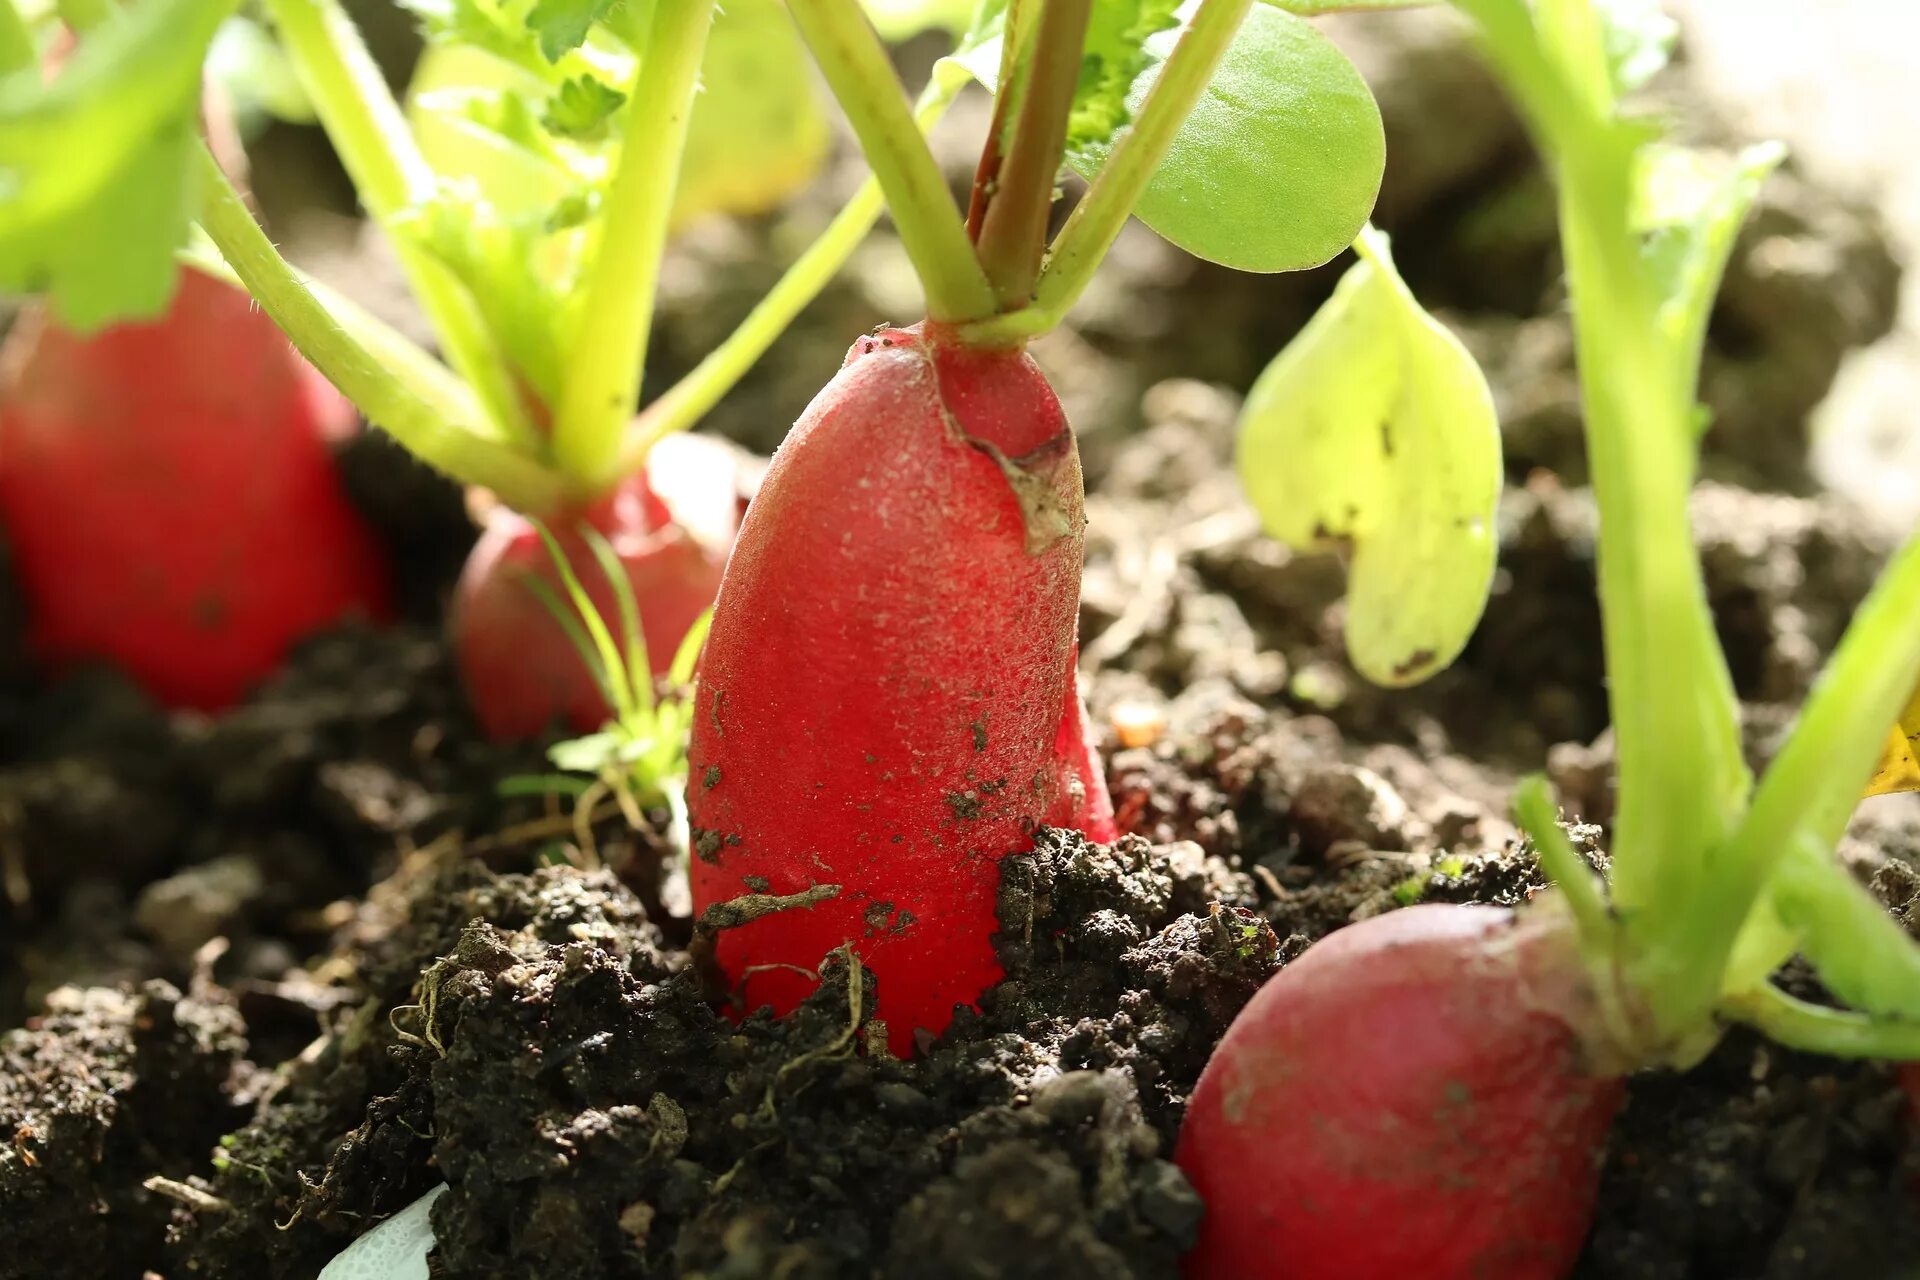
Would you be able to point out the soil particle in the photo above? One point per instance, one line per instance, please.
(1758, 1163)
(104, 1090)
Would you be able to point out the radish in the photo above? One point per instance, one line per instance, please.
(671, 526)
(888, 698)
(1463, 1144)
(1428, 1092)
(169, 495)
(888, 701)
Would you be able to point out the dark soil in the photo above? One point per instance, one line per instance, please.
(393, 978)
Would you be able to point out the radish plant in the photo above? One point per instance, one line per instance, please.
(639, 756)
(529, 195)
(1428, 1092)
(887, 701)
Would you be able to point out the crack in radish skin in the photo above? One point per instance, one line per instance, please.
(892, 668)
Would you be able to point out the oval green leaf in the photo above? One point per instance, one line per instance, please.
(1375, 431)
(1278, 165)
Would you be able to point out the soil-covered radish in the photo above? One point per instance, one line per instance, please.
(670, 525)
(887, 699)
(1407, 1098)
(169, 496)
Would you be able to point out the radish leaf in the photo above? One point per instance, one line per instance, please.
(1374, 430)
(562, 25)
(1277, 167)
(758, 132)
(96, 185)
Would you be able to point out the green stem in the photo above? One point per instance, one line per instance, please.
(1682, 780)
(1013, 225)
(366, 127)
(1539, 817)
(856, 66)
(17, 49)
(1809, 791)
(695, 395)
(601, 385)
(1095, 222)
(1815, 1028)
(442, 430)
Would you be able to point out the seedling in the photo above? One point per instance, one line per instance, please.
(1452, 1071)
(639, 757)
(529, 199)
(888, 703)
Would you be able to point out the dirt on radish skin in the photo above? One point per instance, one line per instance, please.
(888, 696)
(1403, 1100)
(670, 526)
(169, 494)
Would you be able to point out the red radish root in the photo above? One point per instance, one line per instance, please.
(888, 698)
(169, 495)
(670, 526)
(1404, 1100)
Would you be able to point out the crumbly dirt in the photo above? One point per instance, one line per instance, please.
(392, 977)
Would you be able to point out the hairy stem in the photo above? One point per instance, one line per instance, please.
(694, 395)
(1013, 223)
(441, 429)
(601, 387)
(856, 66)
(366, 127)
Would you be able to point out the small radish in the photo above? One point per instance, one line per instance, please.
(169, 495)
(670, 525)
(1406, 1099)
(887, 697)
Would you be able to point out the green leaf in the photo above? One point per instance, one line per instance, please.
(1690, 206)
(581, 107)
(589, 754)
(1315, 8)
(562, 25)
(96, 186)
(1375, 431)
(1116, 55)
(1277, 166)
(1639, 37)
(758, 132)
(259, 80)
(901, 19)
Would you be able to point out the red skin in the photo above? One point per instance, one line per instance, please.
(522, 673)
(169, 496)
(888, 699)
(1403, 1100)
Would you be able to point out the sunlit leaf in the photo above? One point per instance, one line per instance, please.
(259, 80)
(562, 25)
(759, 131)
(1690, 205)
(1374, 431)
(96, 188)
(900, 19)
(1277, 166)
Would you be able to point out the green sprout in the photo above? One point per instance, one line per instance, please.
(639, 758)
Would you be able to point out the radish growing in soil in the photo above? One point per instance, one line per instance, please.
(888, 700)
(529, 200)
(1428, 1092)
(169, 498)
